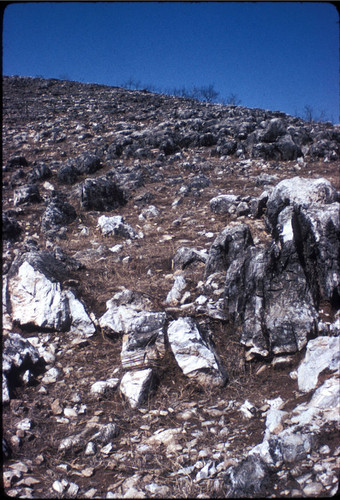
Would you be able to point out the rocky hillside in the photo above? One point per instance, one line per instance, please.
(171, 297)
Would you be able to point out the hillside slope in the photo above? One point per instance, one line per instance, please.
(92, 295)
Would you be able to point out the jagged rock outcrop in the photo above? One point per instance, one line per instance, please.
(267, 294)
(317, 239)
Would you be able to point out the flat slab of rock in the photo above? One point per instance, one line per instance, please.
(193, 354)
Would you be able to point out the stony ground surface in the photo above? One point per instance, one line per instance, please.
(52, 124)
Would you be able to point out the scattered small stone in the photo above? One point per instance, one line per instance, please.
(312, 489)
(58, 487)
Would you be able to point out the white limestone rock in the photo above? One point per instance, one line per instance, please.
(136, 385)
(116, 226)
(300, 191)
(36, 298)
(322, 353)
(81, 323)
(175, 293)
(194, 355)
(102, 386)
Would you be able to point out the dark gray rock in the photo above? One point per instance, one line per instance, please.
(258, 205)
(229, 245)
(40, 172)
(227, 148)
(68, 175)
(89, 164)
(29, 193)
(19, 356)
(317, 238)
(267, 294)
(16, 161)
(10, 228)
(325, 148)
(287, 148)
(275, 128)
(185, 256)
(101, 194)
(57, 214)
(247, 478)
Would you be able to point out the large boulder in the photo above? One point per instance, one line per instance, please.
(267, 294)
(194, 354)
(101, 194)
(36, 298)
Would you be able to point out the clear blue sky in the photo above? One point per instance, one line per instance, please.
(276, 56)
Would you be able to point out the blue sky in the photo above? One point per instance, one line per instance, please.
(277, 56)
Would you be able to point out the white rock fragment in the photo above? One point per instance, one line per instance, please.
(72, 490)
(90, 449)
(115, 225)
(58, 487)
(248, 409)
(136, 385)
(193, 355)
(166, 437)
(70, 442)
(175, 293)
(50, 376)
(81, 324)
(156, 489)
(102, 386)
(70, 413)
(24, 425)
